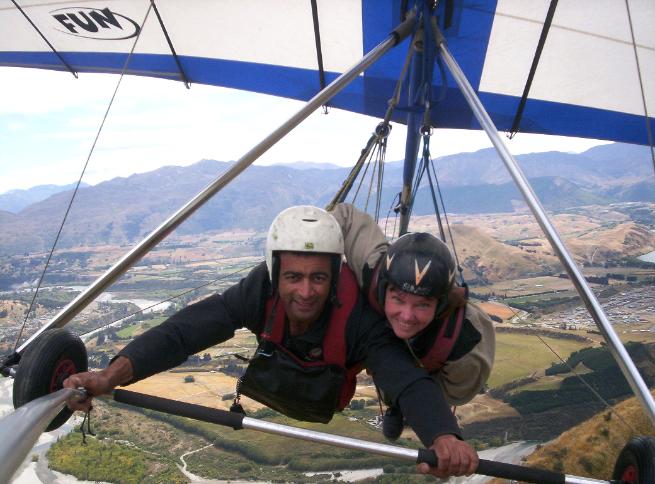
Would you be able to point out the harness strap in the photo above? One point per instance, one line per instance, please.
(445, 340)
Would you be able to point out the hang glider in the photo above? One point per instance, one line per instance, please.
(584, 81)
(540, 67)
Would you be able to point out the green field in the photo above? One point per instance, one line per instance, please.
(104, 460)
(520, 355)
(137, 328)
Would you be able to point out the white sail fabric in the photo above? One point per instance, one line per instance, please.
(587, 83)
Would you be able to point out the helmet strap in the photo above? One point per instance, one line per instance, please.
(334, 282)
(275, 276)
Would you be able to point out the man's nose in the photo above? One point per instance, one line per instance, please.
(305, 288)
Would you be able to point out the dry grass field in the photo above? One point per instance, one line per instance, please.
(207, 389)
(591, 449)
(483, 407)
(497, 309)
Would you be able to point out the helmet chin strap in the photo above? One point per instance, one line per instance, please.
(336, 271)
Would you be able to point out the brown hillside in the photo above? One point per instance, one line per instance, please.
(591, 448)
(489, 260)
(483, 252)
(625, 239)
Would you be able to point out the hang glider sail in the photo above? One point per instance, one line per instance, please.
(588, 77)
(542, 66)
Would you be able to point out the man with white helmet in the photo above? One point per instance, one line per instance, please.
(315, 334)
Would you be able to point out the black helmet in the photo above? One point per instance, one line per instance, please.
(417, 263)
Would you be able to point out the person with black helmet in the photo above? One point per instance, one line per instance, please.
(412, 281)
(315, 333)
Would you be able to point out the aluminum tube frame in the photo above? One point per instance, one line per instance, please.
(88, 295)
(583, 480)
(593, 306)
(330, 439)
(21, 429)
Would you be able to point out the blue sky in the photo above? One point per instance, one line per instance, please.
(48, 121)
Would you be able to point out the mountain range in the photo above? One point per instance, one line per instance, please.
(16, 200)
(122, 210)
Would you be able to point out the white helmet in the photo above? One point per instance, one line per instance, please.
(303, 229)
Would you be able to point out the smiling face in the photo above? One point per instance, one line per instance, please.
(304, 287)
(407, 313)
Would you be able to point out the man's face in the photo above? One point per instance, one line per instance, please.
(304, 286)
(408, 314)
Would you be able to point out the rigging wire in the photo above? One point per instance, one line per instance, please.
(395, 220)
(377, 141)
(225, 276)
(580, 377)
(592, 389)
(382, 157)
(424, 167)
(185, 79)
(79, 181)
(381, 149)
(533, 69)
(649, 130)
(319, 51)
(445, 214)
(68, 66)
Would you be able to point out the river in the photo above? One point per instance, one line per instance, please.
(509, 454)
(650, 257)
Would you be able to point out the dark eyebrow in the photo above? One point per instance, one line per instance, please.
(291, 273)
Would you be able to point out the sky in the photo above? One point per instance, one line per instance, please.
(49, 120)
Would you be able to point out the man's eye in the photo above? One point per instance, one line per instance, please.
(320, 278)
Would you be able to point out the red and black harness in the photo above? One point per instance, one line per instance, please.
(451, 326)
(305, 390)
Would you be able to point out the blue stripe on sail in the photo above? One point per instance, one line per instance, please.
(567, 120)
(367, 94)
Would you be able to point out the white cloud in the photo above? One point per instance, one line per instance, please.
(155, 122)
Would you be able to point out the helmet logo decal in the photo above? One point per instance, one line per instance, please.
(420, 274)
(309, 245)
(389, 259)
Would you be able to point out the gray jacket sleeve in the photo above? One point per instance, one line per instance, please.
(364, 241)
(462, 379)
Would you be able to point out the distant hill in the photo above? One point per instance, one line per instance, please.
(309, 165)
(15, 200)
(603, 165)
(123, 210)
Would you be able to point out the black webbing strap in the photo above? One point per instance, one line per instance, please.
(319, 50)
(185, 79)
(182, 409)
(72, 71)
(347, 184)
(533, 69)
